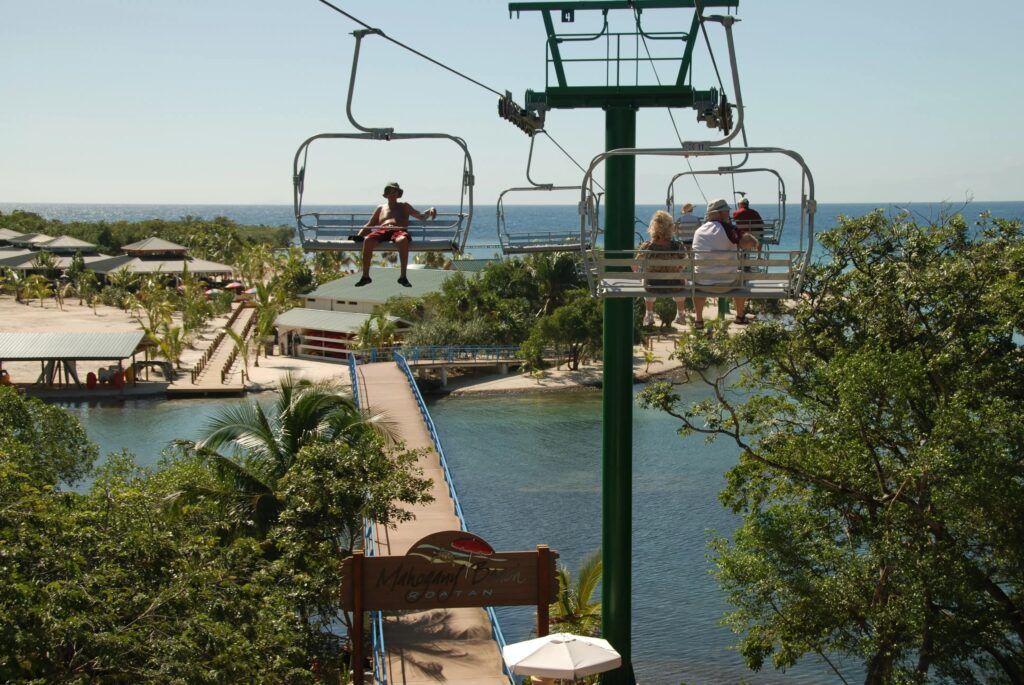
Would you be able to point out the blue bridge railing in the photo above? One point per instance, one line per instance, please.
(370, 549)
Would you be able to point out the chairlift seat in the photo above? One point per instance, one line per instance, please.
(767, 232)
(323, 232)
(629, 273)
(541, 241)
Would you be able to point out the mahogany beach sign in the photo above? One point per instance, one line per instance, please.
(450, 569)
(446, 570)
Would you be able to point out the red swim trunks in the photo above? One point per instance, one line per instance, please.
(388, 234)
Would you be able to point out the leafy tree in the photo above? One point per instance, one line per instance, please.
(45, 443)
(880, 472)
(294, 277)
(76, 268)
(267, 444)
(574, 327)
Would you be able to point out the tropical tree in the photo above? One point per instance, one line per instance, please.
(87, 285)
(266, 444)
(556, 273)
(574, 327)
(45, 263)
(576, 610)
(10, 283)
(242, 349)
(76, 268)
(38, 286)
(169, 341)
(880, 451)
(433, 260)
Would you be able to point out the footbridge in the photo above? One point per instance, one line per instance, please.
(441, 358)
(459, 646)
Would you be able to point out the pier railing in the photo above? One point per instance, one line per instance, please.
(436, 439)
(197, 369)
(451, 354)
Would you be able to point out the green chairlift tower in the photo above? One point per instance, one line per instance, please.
(621, 95)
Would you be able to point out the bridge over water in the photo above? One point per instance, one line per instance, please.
(461, 646)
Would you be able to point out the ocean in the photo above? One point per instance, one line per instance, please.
(483, 237)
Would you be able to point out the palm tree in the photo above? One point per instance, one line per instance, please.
(46, 264)
(555, 273)
(242, 347)
(38, 286)
(10, 283)
(87, 285)
(575, 610)
(266, 444)
(170, 342)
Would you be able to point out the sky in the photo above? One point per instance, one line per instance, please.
(193, 101)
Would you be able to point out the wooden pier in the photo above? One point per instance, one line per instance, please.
(441, 645)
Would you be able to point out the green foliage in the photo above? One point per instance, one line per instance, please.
(880, 473)
(42, 441)
(219, 239)
(574, 327)
(575, 610)
(500, 305)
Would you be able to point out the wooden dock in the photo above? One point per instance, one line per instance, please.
(442, 645)
(221, 375)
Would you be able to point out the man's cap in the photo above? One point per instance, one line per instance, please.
(744, 201)
(393, 186)
(688, 207)
(718, 205)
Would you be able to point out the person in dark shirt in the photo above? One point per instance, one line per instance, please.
(746, 218)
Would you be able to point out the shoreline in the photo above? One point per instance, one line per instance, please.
(264, 378)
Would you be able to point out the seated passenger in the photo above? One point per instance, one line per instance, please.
(686, 215)
(747, 219)
(388, 223)
(687, 223)
(660, 230)
(718, 239)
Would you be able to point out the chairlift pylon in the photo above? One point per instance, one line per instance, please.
(331, 231)
(767, 274)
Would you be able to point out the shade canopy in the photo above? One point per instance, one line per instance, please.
(561, 655)
(68, 345)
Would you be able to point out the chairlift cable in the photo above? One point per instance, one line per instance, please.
(410, 49)
(657, 77)
(566, 153)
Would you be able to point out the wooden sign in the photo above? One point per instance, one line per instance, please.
(451, 569)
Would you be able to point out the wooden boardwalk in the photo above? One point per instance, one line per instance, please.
(442, 645)
(209, 381)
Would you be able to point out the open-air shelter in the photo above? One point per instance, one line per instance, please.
(59, 353)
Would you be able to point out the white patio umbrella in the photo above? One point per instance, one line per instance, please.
(561, 655)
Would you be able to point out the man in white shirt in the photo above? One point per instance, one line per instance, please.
(719, 240)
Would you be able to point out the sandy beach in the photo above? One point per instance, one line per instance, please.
(16, 317)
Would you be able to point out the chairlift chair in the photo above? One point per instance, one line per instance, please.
(332, 231)
(769, 232)
(556, 239)
(767, 274)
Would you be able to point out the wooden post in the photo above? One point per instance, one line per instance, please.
(357, 617)
(544, 580)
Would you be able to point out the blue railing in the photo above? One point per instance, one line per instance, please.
(452, 354)
(370, 549)
(432, 429)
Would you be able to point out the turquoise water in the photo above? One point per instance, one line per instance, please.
(527, 469)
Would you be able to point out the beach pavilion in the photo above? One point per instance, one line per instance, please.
(322, 334)
(59, 353)
(156, 256)
(6, 235)
(63, 249)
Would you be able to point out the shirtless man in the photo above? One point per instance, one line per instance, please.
(389, 222)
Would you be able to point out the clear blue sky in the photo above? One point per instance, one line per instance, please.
(193, 101)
